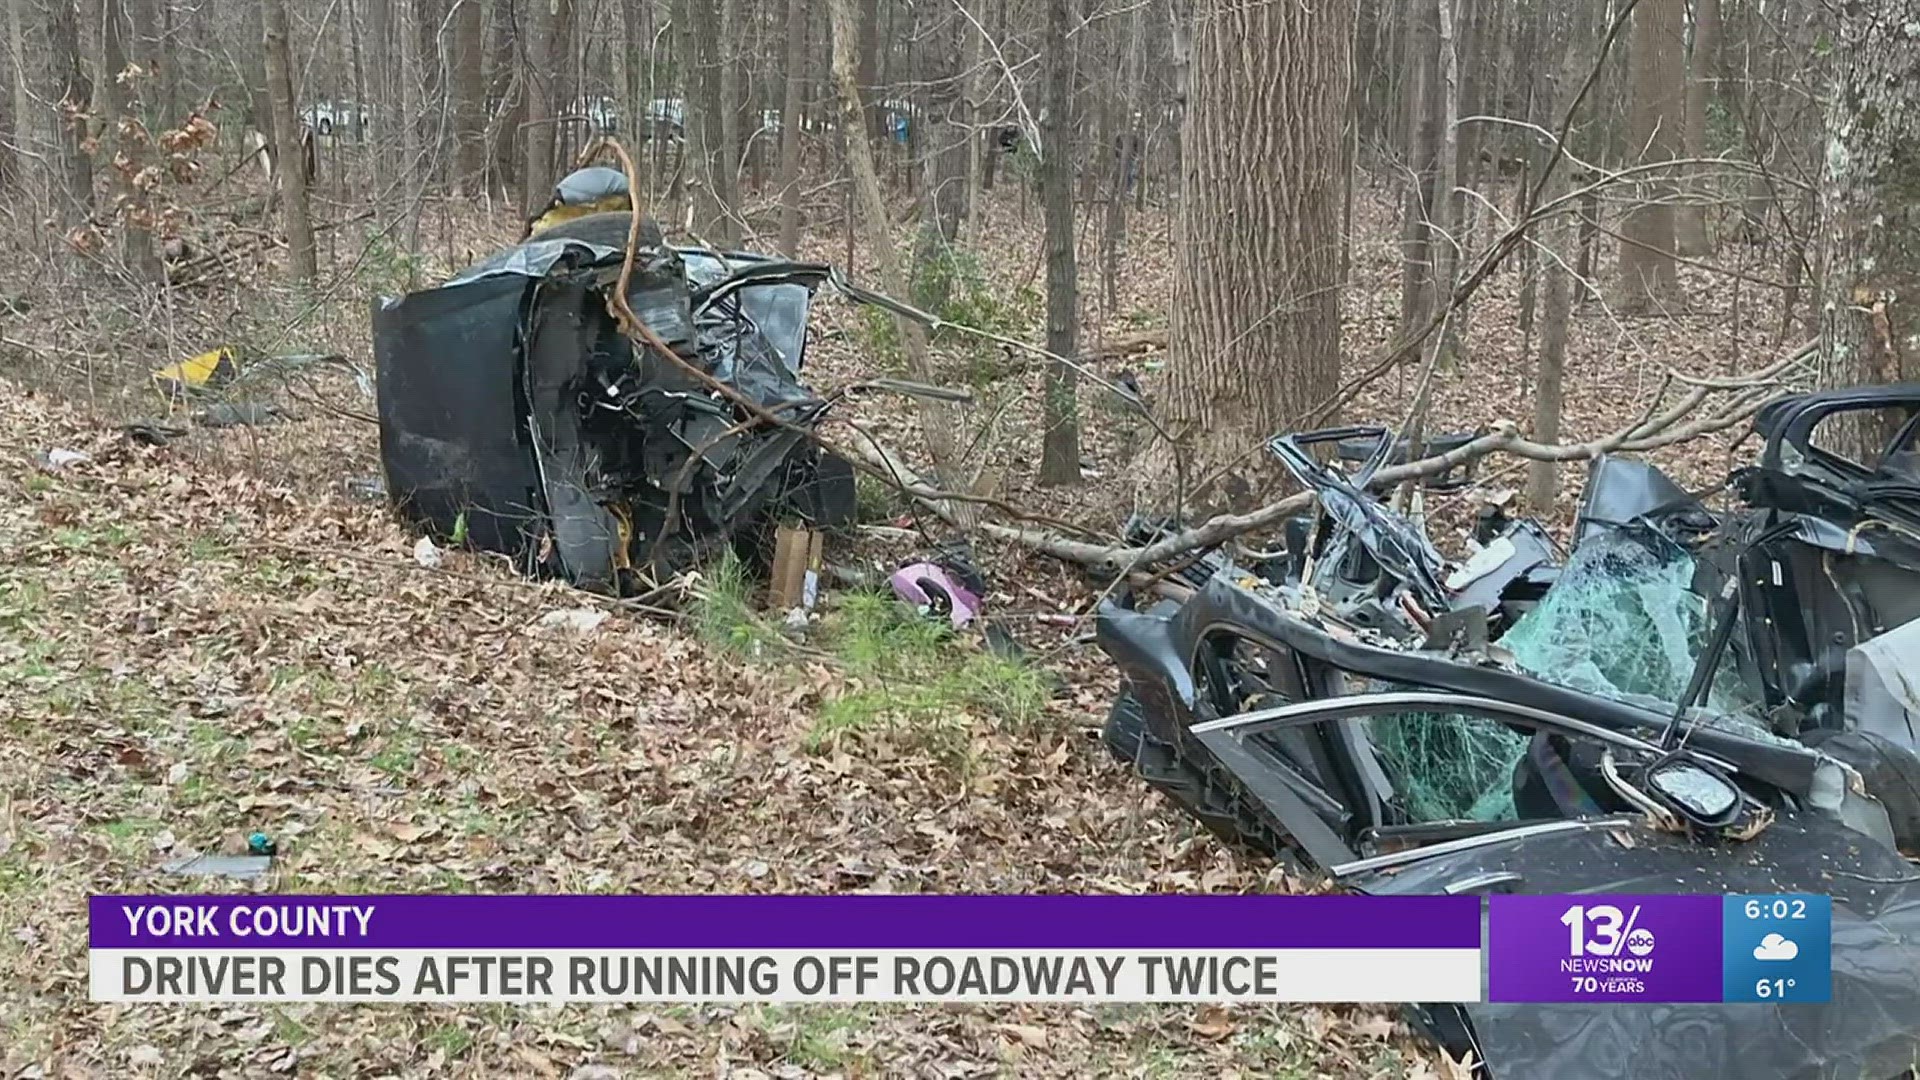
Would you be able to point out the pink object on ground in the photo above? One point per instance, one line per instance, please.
(935, 592)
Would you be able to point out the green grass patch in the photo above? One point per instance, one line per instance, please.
(917, 684)
(289, 1030)
(723, 613)
(398, 755)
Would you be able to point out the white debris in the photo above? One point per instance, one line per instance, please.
(60, 458)
(427, 555)
(576, 620)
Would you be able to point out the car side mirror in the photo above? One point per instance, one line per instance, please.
(1695, 790)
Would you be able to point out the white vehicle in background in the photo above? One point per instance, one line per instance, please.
(325, 118)
(602, 113)
(668, 114)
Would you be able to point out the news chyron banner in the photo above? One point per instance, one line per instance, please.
(1084, 949)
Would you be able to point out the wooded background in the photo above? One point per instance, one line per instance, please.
(1594, 147)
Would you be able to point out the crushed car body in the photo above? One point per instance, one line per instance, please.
(1690, 700)
(515, 414)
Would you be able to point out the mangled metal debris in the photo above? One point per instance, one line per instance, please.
(511, 403)
(1691, 701)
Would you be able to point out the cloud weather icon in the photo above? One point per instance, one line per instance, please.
(1775, 947)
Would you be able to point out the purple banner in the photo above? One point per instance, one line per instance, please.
(778, 922)
(1603, 948)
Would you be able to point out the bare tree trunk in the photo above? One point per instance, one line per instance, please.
(286, 133)
(726, 75)
(1448, 201)
(26, 128)
(790, 128)
(1060, 446)
(469, 96)
(358, 117)
(537, 174)
(1648, 278)
(705, 154)
(1703, 69)
(977, 140)
(947, 131)
(1557, 304)
(1423, 112)
(1248, 360)
(130, 140)
(873, 119)
(148, 50)
(939, 420)
(1126, 166)
(506, 90)
(73, 101)
(1870, 220)
(1180, 64)
(380, 65)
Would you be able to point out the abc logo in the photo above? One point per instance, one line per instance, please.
(1640, 941)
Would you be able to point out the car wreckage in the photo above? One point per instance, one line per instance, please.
(1691, 700)
(515, 414)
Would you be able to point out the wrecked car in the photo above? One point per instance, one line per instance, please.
(1691, 700)
(515, 414)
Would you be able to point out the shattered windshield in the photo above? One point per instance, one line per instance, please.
(1623, 621)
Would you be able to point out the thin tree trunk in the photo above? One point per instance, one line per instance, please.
(506, 91)
(1870, 220)
(1127, 165)
(359, 74)
(1648, 278)
(790, 128)
(939, 420)
(947, 130)
(1248, 360)
(380, 82)
(148, 49)
(978, 142)
(286, 129)
(1543, 477)
(1180, 65)
(73, 101)
(540, 21)
(1703, 68)
(26, 129)
(873, 120)
(1448, 201)
(469, 96)
(130, 141)
(1421, 125)
(726, 75)
(1060, 445)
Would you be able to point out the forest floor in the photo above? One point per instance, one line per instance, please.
(220, 636)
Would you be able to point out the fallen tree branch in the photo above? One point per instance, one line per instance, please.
(1662, 430)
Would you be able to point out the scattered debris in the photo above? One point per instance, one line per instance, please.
(60, 458)
(233, 866)
(935, 593)
(574, 620)
(213, 368)
(796, 568)
(365, 488)
(150, 432)
(226, 414)
(428, 555)
(1669, 708)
